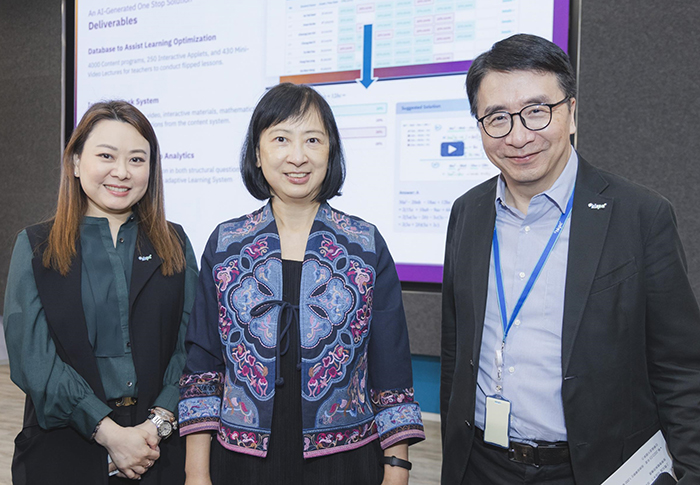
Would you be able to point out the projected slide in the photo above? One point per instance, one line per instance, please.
(392, 71)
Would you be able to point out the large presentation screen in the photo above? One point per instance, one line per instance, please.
(393, 72)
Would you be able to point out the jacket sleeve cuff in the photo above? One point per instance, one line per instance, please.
(89, 411)
(398, 417)
(200, 402)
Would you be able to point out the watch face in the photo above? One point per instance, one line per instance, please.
(165, 429)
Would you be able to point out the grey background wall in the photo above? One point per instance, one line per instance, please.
(639, 103)
(30, 117)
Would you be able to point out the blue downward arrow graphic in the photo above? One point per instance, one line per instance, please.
(367, 78)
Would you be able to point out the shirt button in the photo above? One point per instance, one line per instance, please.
(522, 275)
(517, 322)
(499, 388)
(129, 384)
(121, 239)
(511, 369)
(527, 228)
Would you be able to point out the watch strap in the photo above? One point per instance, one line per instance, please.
(164, 416)
(393, 461)
(155, 419)
(159, 422)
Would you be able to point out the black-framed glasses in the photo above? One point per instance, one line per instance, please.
(534, 117)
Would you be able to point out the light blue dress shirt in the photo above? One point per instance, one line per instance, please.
(532, 374)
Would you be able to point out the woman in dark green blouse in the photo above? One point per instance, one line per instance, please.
(97, 303)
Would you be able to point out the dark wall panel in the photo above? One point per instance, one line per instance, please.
(423, 319)
(30, 117)
(639, 101)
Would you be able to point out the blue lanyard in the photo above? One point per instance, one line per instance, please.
(507, 323)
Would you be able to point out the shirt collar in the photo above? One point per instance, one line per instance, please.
(96, 221)
(558, 193)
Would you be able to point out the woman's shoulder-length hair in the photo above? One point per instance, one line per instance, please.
(72, 202)
(283, 102)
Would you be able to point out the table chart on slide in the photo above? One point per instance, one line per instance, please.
(328, 36)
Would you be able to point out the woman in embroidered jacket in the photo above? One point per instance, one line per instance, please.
(298, 358)
(96, 310)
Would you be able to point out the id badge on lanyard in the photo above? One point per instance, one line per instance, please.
(497, 428)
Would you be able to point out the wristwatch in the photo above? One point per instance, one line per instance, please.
(163, 425)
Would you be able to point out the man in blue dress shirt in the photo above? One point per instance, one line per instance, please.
(569, 329)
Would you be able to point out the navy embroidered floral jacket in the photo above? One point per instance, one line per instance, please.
(356, 369)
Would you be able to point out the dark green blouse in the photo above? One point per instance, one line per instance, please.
(105, 282)
(60, 395)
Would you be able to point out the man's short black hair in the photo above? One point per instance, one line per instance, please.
(521, 52)
(289, 101)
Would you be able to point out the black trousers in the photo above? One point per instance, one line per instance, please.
(489, 465)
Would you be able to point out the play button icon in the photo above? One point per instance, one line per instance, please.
(452, 149)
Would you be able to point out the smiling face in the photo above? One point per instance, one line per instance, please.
(113, 168)
(293, 156)
(530, 161)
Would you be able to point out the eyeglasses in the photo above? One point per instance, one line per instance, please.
(534, 117)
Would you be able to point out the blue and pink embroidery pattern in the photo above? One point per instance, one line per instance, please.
(335, 317)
